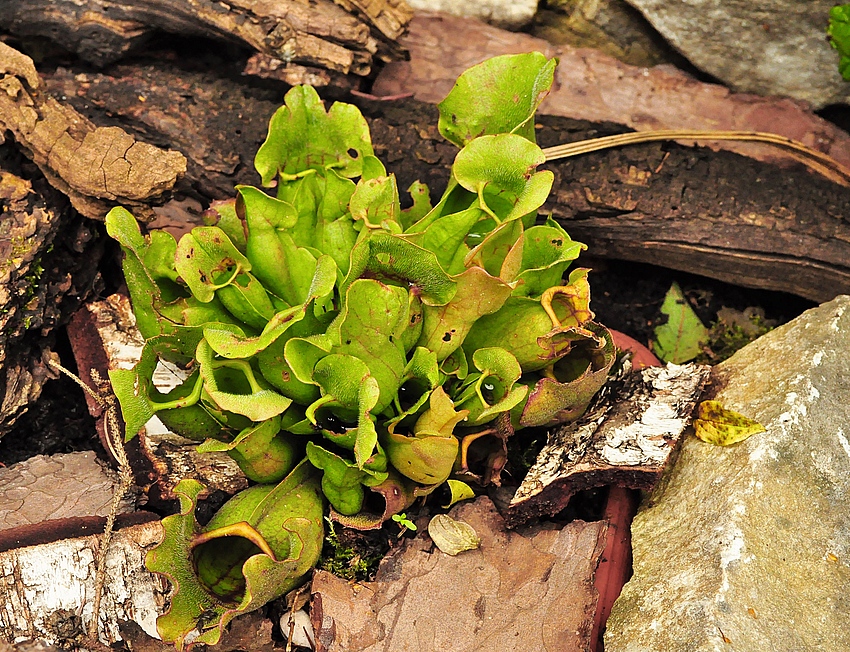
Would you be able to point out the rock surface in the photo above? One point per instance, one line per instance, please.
(528, 590)
(749, 546)
(773, 47)
(509, 14)
(59, 486)
(612, 26)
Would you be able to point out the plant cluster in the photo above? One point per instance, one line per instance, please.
(339, 346)
(838, 31)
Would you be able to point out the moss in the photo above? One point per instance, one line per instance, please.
(728, 335)
(348, 560)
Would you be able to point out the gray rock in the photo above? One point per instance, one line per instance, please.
(507, 14)
(747, 547)
(773, 47)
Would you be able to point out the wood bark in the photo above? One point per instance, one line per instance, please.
(43, 278)
(96, 167)
(343, 35)
(45, 590)
(714, 213)
(625, 438)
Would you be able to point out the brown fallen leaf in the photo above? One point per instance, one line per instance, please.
(521, 590)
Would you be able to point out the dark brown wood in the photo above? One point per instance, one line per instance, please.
(48, 265)
(717, 214)
(345, 36)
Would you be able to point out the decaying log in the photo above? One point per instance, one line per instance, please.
(43, 278)
(718, 214)
(96, 167)
(625, 438)
(46, 590)
(341, 35)
(104, 336)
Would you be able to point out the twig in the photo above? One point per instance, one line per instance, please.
(103, 396)
(818, 161)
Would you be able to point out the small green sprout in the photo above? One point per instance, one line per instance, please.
(404, 522)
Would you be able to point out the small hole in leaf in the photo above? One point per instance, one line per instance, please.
(447, 337)
(353, 153)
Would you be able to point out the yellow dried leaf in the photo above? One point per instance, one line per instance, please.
(460, 491)
(452, 536)
(717, 425)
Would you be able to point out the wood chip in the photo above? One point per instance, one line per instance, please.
(625, 438)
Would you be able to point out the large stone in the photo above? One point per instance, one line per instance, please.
(749, 545)
(773, 47)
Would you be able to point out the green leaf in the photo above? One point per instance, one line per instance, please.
(446, 237)
(421, 197)
(681, 338)
(302, 136)
(547, 253)
(446, 327)
(717, 425)
(207, 260)
(426, 460)
(145, 294)
(553, 400)
(194, 422)
(492, 391)
(350, 391)
(278, 261)
(839, 36)
(256, 548)
(375, 202)
(459, 491)
(373, 335)
(440, 418)
(500, 169)
(227, 219)
(500, 252)
(231, 342)
(258, 404)
(262, 451)
(342, 481)
(525, 328)
(139, 398)
(497, 96)
(394, 257)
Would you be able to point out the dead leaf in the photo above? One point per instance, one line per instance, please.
(451, 536)
(717, 425)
